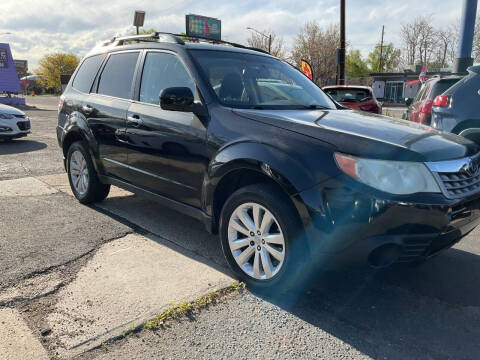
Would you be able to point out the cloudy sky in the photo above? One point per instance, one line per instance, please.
(41, 26)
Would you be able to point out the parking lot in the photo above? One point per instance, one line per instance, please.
(74, 279)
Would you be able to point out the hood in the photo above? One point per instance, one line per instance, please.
(10, 110)
(368, 135)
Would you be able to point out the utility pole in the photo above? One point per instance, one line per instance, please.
(269, 43)
(465, 38)
(341, 53)
(380, 68)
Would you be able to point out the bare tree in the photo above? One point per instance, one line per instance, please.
(445, 46)
(419, 40)
(476, 41)
(277, 45)
(318, 46)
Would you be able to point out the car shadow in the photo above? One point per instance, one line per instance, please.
(401, 312)
(427, 311)
(18, 146)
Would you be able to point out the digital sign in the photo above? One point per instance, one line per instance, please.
(3, 59)
(203, 27)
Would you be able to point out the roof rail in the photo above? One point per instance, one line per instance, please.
(156, 36)
(174, 39)
(213, 41)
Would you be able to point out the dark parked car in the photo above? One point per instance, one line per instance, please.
(355, 97)
(457, 110)
(420, 109)
(251, 147)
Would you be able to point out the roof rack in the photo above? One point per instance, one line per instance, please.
(156, 36)
(174, 39)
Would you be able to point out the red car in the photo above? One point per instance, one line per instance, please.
(420, 109)
(355, 97)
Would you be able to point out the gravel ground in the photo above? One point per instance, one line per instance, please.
(344, 315)
(245, 327)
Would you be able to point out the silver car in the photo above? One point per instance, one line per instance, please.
(13, 123)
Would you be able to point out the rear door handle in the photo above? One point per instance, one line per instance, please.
(87, 109)
(134, 120)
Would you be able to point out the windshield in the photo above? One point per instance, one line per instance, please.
(258, 82)
(349, 94)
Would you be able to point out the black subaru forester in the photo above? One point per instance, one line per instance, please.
(247, 144)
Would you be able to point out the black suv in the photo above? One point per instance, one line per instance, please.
(251, 147)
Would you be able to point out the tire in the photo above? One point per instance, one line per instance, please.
(82, 176)
(265, 198)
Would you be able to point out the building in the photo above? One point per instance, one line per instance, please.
(393, 88)
(22, 67)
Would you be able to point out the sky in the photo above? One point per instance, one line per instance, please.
(39, 27)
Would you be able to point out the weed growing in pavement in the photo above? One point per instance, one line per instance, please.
(183, 308)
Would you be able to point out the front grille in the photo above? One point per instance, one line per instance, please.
(23, 125)
(457, 178)
(460, 183)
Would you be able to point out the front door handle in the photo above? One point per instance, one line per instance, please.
(134, 120)
(87, 109)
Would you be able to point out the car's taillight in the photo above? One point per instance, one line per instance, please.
(369, 107)
(60, 104)
(441, 101)
(426, 108)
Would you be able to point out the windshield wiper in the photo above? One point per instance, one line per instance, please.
(314, 107)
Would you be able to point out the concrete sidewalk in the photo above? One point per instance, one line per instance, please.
(126, 281)
(16, 339)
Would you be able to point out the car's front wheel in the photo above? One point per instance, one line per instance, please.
(261, 236)
(82, 176)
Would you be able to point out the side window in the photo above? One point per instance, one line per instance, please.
(86, 74)
(161, 71)
(116, 78)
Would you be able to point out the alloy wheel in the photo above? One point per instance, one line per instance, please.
(79, 172)
(256, 241)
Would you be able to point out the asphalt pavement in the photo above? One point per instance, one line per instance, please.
(66, 275)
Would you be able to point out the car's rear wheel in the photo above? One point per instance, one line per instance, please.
(261, 236)
(82, 176)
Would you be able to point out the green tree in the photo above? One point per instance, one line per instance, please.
(355, 65)
(51, 66)
(390, 58)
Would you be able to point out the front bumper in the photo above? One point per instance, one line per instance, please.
(15, 128)
(345, 225)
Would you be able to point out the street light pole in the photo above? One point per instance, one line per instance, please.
(465, 38)
(341, 57)
(268, 37)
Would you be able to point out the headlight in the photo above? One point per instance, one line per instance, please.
(395, 177)
(5, 129)
(6, 116)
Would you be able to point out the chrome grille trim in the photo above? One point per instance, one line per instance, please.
(455, 177)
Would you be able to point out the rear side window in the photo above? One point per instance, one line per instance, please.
(349, 94)
(472, 80)
(161, 71)
(117, 76)
(86, 73)
(440, 87)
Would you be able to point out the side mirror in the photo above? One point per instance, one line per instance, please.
(408, 101)
(177, 99)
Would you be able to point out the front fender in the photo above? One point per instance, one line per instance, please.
(287, 172)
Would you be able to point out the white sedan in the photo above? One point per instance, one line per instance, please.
(13, 123)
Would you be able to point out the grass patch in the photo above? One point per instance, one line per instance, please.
(183, 308)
